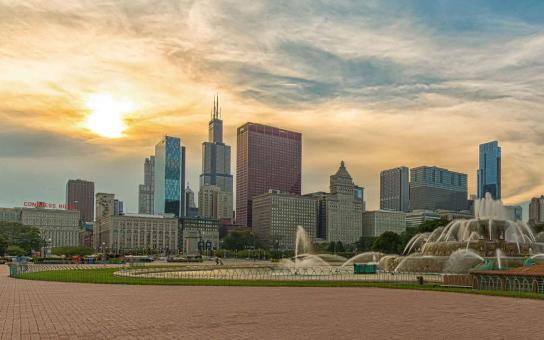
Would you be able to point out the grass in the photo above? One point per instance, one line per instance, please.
(105, 275)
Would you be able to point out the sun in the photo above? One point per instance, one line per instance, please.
(106, 117)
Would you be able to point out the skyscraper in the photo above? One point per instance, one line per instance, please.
(536, 211)
(489, 173)
(169, 193)
(267, 158)
(433, 188)
(216, 161)
(395, 189)
(146, 190)
(190, 206)
(80, 194)
(344, 211)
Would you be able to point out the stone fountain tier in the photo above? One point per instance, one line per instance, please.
(482, 247)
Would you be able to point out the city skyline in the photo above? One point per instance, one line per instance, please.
(361, 105)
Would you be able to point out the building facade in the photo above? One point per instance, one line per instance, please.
(514, 212)
(433, 188)
(191, 209)
(268, 158)
(59, 228)
(105, 207)
(416, 217)
(343, 210)
(10, 215)
(489, 173)
(276, 217)
(214, 203)
(378, 222)
(135, 233)
(80, 195)
(146, 191)
(169, 188)
(321, 198)
(216, 161)
(198, 235)
(536, 211)
(395, 189)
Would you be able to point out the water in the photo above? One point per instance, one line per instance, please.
(303, 244)
(500, 255)
(461, 261)
(367, 257)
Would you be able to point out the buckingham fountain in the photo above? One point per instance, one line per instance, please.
(487, 241)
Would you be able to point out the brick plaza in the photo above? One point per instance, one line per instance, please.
(51, 310)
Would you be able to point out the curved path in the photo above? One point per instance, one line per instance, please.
(35, 310)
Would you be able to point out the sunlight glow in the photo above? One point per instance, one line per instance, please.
(106, 116)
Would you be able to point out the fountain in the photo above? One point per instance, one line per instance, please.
(367, 257)
(487, 236)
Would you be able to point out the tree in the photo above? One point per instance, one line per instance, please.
(15, 251)
(3, 244)
(20, 235)
(332, 247)
(425, 227)
(73, 251)
(388, 242)
(241, 240)
(340, 247)
(364, 243)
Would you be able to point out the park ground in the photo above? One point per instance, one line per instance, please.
(56, 310)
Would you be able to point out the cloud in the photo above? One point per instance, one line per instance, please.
(376, 83)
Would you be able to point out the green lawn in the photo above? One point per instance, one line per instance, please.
(105, 275)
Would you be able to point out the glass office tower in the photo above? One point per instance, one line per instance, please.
(169, 196)
(489, 173)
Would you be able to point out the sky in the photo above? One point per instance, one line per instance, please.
(87, 88)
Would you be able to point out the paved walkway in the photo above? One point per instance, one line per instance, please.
(33, 309)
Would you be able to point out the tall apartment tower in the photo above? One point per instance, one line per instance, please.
(268, 158)
(395, 189)
(80, 194)
(105, 207)
(489, 173)
(536, 211)
(146, 191)
(216, 163)
(433, 188)
(344, 211)
(169, 187)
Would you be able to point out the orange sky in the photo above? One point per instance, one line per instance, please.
(365, 86)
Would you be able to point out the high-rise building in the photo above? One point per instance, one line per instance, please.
(105, 207)
(343, 211)
(118, 207)
(489, 173)
(514, 212)
(536, 210)
(216, 154)
(395, 189)
(433, 188)
(80, 195)
(378, 222)
(276, 217)
(190, 206)
(216, 180)
(169, 189)
(214, 203)
(268, 158)
(146, 191)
